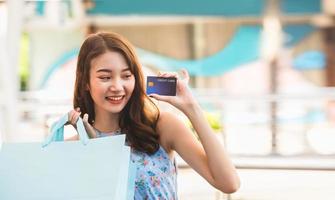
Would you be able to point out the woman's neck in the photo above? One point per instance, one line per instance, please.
(106, 122)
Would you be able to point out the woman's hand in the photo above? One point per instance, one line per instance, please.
(73, 117)
(184, 98)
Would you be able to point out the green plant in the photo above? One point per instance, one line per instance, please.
(214, 120)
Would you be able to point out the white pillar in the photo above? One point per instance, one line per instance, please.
(3, 66)
(10, 35)
(3, 63)
(328, 7)
(78, 10)
(198, 49)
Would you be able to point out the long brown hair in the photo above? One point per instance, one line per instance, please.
(139, 117)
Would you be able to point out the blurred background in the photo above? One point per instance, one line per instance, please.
(263, 70)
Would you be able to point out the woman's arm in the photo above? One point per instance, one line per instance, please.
(222, 170)
(208, 157)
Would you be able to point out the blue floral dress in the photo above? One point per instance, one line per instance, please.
(156, 176)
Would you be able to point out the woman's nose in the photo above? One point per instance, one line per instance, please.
(115, 85)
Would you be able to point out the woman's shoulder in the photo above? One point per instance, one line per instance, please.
(166, 119)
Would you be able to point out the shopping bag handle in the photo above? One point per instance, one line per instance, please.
(57, 131)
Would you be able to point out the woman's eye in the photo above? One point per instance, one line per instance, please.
(104, 78)
(127, 76)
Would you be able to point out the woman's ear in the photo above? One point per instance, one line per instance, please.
(87, 87)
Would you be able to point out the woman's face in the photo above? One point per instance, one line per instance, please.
(111, 83)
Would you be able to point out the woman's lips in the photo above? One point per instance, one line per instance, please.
(115, 99)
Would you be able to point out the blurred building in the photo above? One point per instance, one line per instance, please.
(225, 44)
(211, 43)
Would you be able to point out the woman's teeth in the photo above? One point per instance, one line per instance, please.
(115, 98)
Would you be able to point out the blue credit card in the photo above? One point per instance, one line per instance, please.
(161, 85)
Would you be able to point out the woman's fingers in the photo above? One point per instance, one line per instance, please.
(168, 74)
(160, 97)
(73, 116)
(185, 74)
(70, 116)
(89, 129)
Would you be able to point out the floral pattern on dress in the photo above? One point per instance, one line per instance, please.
(156, 177)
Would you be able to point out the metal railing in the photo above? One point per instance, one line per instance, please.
(301, 123)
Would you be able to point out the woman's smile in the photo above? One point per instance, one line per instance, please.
(115, 99)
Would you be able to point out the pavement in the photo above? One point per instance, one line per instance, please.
(262, 184)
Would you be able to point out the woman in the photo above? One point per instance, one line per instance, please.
(110, 97)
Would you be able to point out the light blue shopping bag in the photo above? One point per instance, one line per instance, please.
(73, 170)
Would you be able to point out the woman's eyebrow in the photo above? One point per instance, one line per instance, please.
(104, 70)
(125, 69)
(110, 71)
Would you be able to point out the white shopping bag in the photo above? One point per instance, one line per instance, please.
(87, 169)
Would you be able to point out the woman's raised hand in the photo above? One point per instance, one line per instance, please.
(73, 117)
(184, 97)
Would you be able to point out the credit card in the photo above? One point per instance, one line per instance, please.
(161, 85)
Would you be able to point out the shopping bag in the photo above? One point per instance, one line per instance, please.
(125, 187)
(84, 169)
